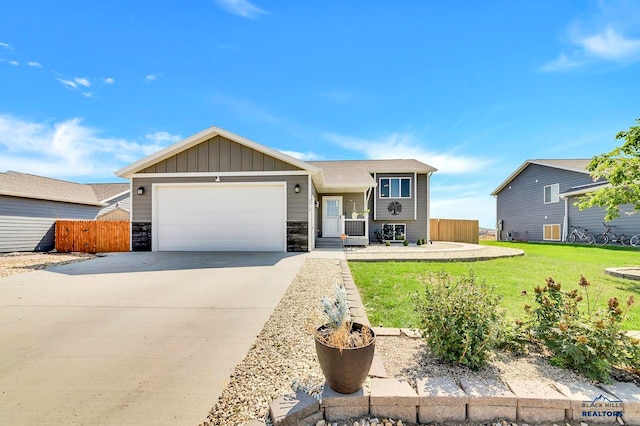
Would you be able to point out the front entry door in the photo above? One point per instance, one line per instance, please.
(331, 216)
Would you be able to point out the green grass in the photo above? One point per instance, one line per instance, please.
(388, 289)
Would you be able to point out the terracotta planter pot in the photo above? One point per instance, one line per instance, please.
(345, 370)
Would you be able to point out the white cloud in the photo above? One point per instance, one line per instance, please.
(561, 63)
(6, 46)
(304, 156)
(65, 148)
(241, 8)
(607, 35)
(162, 138)
(610, 45)
(82, 81)
(109, 80)
(87, 94)
(68, 83)
(336, 95)
(14, 63)
(34, 64)
(151, 77)
(399, 145)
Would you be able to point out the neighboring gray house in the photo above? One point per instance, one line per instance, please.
(30, 205)
(219, 191)
(536, 202)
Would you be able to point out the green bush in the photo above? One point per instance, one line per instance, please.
(405, 243)
(459, 320)
(582, 338)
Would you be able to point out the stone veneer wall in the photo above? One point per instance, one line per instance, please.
(298, 236)
(141, 236)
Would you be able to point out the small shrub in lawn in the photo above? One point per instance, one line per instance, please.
(388, 244)
(582, 338)
(459, 319)
(405, 243)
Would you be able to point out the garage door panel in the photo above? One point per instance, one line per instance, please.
(216, 217)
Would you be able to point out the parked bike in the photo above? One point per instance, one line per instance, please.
(581, 235)
(609, 236)
(635, 240)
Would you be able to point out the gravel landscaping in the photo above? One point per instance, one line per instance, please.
(283, 355)
(17, 263)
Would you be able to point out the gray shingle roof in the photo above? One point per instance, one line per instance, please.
(104, 191)
(39, 187)
(358, 172)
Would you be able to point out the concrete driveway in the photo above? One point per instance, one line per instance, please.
(133, 338)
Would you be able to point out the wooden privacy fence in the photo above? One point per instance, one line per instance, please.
(458, 230)
(92, 236)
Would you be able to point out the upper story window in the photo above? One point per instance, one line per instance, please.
(552, 193)
(395, 187)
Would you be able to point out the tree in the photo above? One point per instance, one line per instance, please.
(621, 169)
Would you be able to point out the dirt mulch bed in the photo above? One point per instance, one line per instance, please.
(17, 263)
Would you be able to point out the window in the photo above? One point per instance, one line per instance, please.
(551, 193)
(395, 187)
(551, 232)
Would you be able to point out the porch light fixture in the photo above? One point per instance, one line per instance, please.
(296, 189)
(217, 179)
(140, 190)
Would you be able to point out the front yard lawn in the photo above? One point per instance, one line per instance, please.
(388, 289)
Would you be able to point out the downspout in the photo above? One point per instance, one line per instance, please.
(429, 206)
(565, 222)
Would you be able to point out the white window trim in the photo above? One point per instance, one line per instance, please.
(400, 178)
(555, 199)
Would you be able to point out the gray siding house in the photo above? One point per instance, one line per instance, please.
(536, 202)
(219, 191)
(30, 205)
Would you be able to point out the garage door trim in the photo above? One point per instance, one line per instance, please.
(154, 207)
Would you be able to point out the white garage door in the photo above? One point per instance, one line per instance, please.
(220, 217)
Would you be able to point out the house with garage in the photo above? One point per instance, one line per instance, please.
(537, 202)
(218, 191)
(31, 204)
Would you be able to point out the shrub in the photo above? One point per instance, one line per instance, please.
(405, 243)
(459, 319)
(388, 244)
(582, 338)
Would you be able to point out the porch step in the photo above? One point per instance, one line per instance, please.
(328, 243)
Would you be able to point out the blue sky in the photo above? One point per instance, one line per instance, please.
(472, 88)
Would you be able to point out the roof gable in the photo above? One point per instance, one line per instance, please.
(578, 165)
(184, 145)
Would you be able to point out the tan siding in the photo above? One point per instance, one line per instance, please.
(258, 161)
(171, 165)
(297, 207)
(181, 162)
(246, 159)
(203, 157)
(268, 163)
(219, 154)
(214, 154)
(224, 154)
(235, 156)
(192, 159)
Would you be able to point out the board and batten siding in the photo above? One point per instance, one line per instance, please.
(297, 204)
(520, 204)
(219, 154)
(29, 224)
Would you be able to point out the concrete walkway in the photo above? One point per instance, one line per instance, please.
(439, 251)
(134, 338)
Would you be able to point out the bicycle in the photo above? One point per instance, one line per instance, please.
(635, 240)
(579, 233)
(608, 236)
